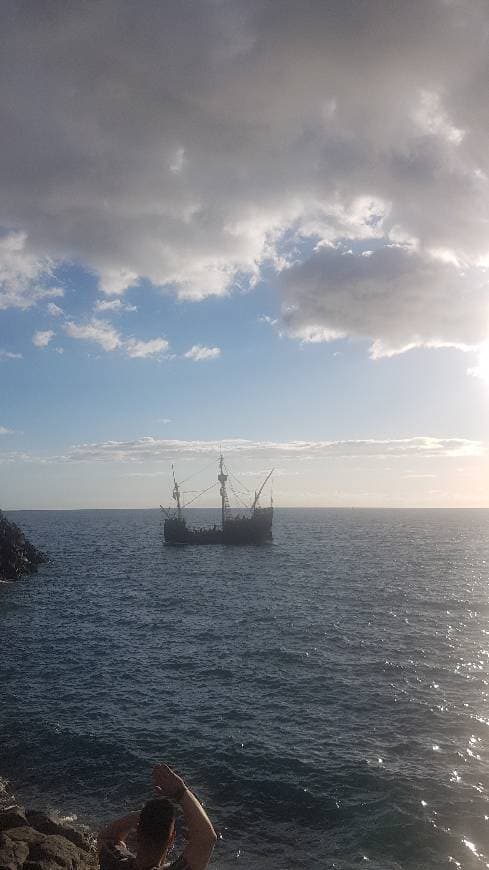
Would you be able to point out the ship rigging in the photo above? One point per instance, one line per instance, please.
(254, 527)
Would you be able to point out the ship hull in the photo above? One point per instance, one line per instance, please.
(255, 530)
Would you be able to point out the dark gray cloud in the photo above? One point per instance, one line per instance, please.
(398, 296)
(183, 141)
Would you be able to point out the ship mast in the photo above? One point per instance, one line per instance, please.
(176, 494)
(258, 494)
(222, 480)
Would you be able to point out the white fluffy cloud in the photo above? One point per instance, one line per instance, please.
(42, 338)
(247, 133)
(5, 431)
(54, 310)
(109, 339)
(97, 331)
(199, 353)
(160, 449)
(114, 306)
(140, 349)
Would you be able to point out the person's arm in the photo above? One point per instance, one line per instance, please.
(201, 835)
(117, 831)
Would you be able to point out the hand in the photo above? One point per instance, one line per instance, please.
(166, 781)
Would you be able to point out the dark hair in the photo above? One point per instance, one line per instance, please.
(155, 821)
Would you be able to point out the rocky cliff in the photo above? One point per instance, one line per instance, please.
(18, 557)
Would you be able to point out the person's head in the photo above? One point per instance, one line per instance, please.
(156, 826)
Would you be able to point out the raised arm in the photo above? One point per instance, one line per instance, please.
(201, 834)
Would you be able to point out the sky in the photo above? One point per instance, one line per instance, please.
(247, 225)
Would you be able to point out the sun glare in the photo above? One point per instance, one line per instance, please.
(481, 369)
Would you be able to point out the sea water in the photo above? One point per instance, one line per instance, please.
(325, 696)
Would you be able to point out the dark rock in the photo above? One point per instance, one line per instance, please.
(25, 847)
(18, 557)
(15, 846)
(58, 850)
(37, 865)
(24, 835)
(13, 817)
(46, 824)
(12, 854)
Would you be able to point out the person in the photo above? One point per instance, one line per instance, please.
(155, 830)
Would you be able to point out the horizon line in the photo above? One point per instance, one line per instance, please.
(285, 507)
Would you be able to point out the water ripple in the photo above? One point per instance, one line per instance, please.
(327, 695)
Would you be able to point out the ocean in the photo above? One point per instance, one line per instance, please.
(326, 696)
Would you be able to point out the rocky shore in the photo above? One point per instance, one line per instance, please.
(33, 840)
(18, 556)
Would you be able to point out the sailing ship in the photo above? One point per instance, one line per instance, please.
(254, 528)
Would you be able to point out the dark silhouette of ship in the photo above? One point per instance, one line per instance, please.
(256, 528)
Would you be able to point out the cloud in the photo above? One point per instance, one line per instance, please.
(210, 159)
(98, 331)
(397, 297)
(141, 349)
(114, 282)
(7, 354)
(42, 339)
(265, 318)
(23, 273)
(115, 305)
(16, 456)
(5, 431)
(166, 450)
(109, 339)
(54, 310)
(277, 472)
(199, 353)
